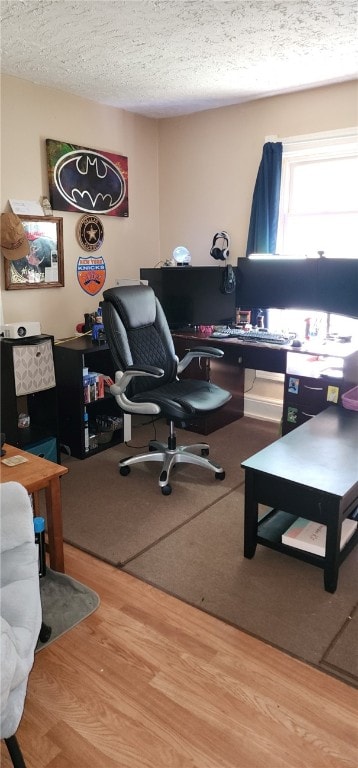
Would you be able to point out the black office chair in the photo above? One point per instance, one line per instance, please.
(147, 382)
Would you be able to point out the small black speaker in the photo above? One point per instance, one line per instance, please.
(228, 280)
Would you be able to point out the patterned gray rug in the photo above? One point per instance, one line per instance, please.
(65, 602)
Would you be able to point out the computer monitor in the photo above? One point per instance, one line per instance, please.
(192, 296)
(323, 285)
(276, 283)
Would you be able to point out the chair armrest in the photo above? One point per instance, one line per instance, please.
(123, 379)
(198, 352)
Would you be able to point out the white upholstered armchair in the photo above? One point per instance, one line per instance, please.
(20, 609)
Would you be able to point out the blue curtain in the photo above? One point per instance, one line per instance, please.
(265, 202)
(264, 211)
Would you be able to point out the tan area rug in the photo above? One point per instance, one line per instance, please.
(342, 654)
(190, 544)
(115, 517)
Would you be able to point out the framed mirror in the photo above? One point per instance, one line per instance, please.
(43, 267)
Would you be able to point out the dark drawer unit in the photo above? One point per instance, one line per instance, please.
(305, 397)
(71, 357)
(316, 379)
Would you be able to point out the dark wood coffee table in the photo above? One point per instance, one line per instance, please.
(313, 473)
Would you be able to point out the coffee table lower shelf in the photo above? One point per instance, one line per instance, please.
(274, 523)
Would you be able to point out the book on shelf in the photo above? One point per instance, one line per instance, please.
(311, 536)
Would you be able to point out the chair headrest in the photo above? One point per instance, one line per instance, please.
(135, 304)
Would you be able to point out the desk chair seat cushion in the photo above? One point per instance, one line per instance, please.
(180, 399)
(20, 602)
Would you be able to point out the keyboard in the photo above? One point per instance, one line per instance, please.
(254, 336)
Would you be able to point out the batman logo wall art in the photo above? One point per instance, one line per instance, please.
(87, 180)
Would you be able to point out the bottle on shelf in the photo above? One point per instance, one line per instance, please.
(86, 427)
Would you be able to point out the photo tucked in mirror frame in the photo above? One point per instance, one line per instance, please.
(43, 267)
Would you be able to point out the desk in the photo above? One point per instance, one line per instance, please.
(37, 474)
(228, 372)
(312, 473)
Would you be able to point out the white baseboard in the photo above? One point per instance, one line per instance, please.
(262, 408)
(270, 376)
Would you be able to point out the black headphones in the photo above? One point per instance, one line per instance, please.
(220, 253)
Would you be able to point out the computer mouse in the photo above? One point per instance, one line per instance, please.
(296, 343)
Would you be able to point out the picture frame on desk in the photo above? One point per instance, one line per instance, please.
(43, 267)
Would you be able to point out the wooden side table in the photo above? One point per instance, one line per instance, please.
(38, 474)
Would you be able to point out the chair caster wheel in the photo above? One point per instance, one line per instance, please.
(124, 471)
(166, 490)
(205, 451)
(220, 475)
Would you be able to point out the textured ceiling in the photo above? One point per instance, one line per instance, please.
(162, 58)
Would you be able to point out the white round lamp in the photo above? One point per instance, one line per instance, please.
(181, 256)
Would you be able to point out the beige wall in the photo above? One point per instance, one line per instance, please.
(208, 162)
(29, 115)
(204, 183)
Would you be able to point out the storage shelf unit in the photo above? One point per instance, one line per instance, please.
(28, 386)
(70, 359)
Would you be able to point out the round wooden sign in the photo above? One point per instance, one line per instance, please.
(90, 233)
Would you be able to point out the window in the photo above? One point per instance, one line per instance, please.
(319, 197)
(318, 213)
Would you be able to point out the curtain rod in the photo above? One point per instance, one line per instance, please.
(339, 133)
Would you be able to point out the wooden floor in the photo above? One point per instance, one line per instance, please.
(149, 682)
